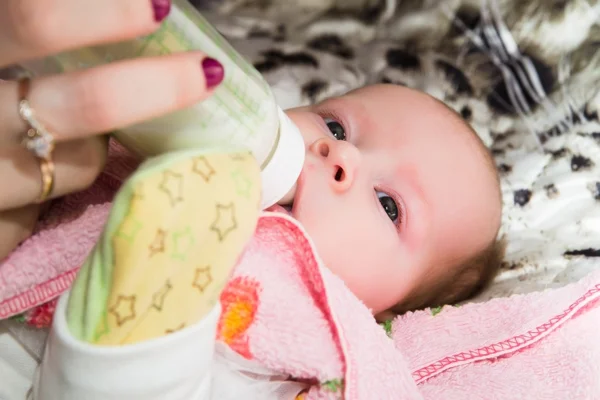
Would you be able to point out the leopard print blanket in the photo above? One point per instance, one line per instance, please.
(524, 73)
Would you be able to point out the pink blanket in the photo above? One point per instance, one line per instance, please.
(304, 322)
(300, 319)
(44, 266)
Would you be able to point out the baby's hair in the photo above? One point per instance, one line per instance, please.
(467, 278)
(462, 282)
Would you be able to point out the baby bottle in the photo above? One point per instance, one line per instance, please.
(241, 114)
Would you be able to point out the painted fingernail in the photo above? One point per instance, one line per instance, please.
(161, 9)
(213, 72)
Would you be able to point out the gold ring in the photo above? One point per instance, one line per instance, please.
(37, 139)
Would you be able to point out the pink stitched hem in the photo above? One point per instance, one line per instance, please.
(508, 346)
(39, 294)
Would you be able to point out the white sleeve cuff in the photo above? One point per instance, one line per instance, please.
(174, 367)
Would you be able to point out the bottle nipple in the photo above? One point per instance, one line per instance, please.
(281, 173)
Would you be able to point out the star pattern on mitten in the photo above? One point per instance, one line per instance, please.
(202, 167)
(129, 229)
(202, 278)
(180, 327)
(225, 221)
(172, 186)
(166, 235)
(158, 243)
(123, 309)
(158, 300)
(242, 183)
(183, 241)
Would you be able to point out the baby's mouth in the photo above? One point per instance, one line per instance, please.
(285, 209)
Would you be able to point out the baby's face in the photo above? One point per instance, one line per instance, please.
(393, 187)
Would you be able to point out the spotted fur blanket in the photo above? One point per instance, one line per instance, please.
(524, 73)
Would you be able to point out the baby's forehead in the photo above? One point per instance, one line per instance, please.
(404, 120)
(400, 101)
(404, 113)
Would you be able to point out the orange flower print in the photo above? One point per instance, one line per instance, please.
(239, 302)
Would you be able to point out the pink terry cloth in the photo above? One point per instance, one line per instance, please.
(301, 320)
(45, 265)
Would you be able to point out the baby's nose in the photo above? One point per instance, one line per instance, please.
(342, 160)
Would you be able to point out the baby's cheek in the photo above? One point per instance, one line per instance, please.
(375, 277)
(310, 166)
(361, 277)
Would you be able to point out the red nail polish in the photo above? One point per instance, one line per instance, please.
(213, 72)
(161, 9)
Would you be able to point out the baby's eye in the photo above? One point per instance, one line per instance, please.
(389, 205)
(336, 129)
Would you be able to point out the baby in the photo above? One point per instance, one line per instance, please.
(400, 198)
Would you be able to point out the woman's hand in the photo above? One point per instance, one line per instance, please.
(77, 108)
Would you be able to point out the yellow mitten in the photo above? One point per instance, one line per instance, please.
(175, 232)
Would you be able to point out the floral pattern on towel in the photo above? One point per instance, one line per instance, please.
(239, 302)
(39, 317)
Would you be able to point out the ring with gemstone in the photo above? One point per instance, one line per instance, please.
(37, 139)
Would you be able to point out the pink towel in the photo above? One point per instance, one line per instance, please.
(291, 314)
(45, 265)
